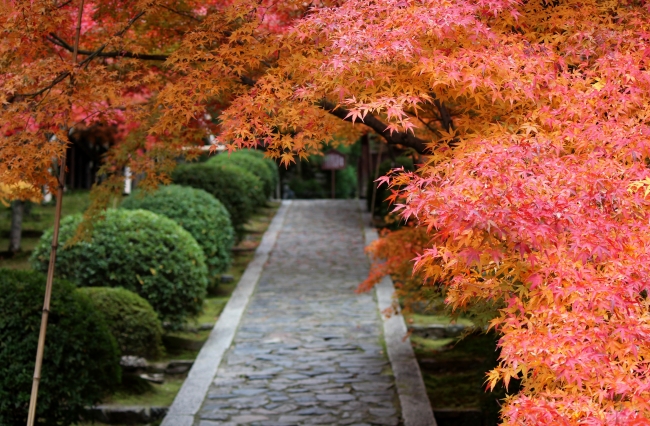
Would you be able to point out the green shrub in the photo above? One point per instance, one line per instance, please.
(255, 162)
(131, 319)
(382, 208)
(139, 250)
(346, 182)
(307, 188)
(238, 190)
(199, 213)
(81, 359)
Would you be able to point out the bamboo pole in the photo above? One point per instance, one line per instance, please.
(48, 294)
(31, 417)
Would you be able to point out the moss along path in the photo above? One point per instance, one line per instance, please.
(306, 348)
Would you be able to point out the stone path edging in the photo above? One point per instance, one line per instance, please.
(190, 398)
(416, 409)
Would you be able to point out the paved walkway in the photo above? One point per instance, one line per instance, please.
(308, 350)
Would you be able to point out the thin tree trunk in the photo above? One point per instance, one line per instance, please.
(16, 230)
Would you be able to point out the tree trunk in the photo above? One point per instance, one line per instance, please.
(17, 213)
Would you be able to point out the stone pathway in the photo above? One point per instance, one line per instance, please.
(308, 349)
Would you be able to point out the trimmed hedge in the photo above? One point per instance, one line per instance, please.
(199, 213)
(254, 162)
(138, 250)
(270, 163)
(238, 190)
(81, 359)
(131, 319)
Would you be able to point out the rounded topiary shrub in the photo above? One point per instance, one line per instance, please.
(199, 213)
(131, 319)
(81, 359)
(269, 162)
(138, 250)
(252, 163)
(238, 190)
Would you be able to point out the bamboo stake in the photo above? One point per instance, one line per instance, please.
(31, 417)
(48, 294)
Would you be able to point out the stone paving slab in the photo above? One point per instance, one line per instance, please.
(308, 349)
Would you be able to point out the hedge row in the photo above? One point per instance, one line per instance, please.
(240, 192)
(199, 213)
(142, 266)
(255, 163)
(138, 250)
(81, 360)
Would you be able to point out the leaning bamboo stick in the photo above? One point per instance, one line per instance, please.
(48, 294)
(31, 417)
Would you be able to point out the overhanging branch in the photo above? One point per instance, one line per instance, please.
(53, 38)
(406, 139)
(92, 55)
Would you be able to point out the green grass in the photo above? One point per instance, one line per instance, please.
(41, 217)
(159, 396)
(36, 220)
(422, 346)
(420, 319)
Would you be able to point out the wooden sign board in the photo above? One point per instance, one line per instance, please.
(333, 160)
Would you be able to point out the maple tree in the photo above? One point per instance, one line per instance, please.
(533, 115)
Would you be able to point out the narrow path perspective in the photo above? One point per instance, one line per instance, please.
(308, 349)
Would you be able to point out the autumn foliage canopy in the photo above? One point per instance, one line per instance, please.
(533, 115)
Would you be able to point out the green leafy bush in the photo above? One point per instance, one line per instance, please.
(199, 213)
(346, 182)
(138, 250)
(307, 188)
(131, 319)
(81, 359)
(238, 190)
(255, 162)
(382, 208)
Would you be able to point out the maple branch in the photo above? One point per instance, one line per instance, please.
(445, 116)
(85, 62)
(53, 38)
(59, 6)
(392, 138)
(120, 33)
(54, 82)
(181, 13)
(406, 139)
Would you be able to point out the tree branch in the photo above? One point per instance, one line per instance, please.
(406, 139)
(59, 78)
(181, 13)
(402, 138)
(445, 116)
(55, 39)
